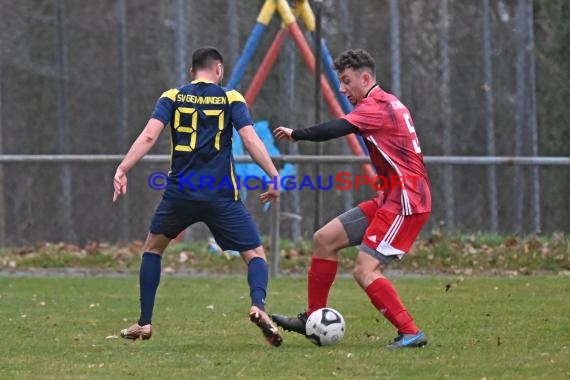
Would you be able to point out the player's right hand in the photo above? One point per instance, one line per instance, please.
(270, 195)
(119, 184)
(283, 133)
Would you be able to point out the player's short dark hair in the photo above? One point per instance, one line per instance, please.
(205, 57)
(355, 59)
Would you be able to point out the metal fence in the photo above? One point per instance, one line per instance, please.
(139, 208)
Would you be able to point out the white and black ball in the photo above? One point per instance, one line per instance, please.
(325, 327)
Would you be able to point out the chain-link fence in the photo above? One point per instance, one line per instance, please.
(480, 77)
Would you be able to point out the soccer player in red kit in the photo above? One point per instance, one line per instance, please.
(386, 226)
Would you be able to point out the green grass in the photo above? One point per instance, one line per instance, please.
(481, 327)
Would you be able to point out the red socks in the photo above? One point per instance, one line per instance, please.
(382, 293)
(384, 297)
(320, 279)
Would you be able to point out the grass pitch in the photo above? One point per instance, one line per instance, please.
(492, 328)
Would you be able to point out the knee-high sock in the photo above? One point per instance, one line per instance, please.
(319, 281)
(257, 278)
(384, 297)
(149, 278)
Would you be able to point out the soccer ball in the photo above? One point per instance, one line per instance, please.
(325, 327)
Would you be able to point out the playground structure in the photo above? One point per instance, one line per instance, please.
(337, 103)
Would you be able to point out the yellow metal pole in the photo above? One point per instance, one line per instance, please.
(296, 10)
(307, 15)
(285, 11)
(266, 12)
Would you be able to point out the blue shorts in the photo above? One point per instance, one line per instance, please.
(229, 221)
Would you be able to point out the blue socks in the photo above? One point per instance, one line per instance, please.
(149, 278)
(257, 278)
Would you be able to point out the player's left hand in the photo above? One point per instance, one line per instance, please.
(270, 195)
(119, 184)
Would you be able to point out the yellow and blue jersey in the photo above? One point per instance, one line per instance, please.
(202, 116)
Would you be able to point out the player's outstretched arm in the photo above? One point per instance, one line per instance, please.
(320, 132)
(138, 150)
(258, 152)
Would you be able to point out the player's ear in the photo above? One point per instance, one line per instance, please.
(220, 71)
(366, 78)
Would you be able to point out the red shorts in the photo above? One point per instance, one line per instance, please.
(389, 233)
